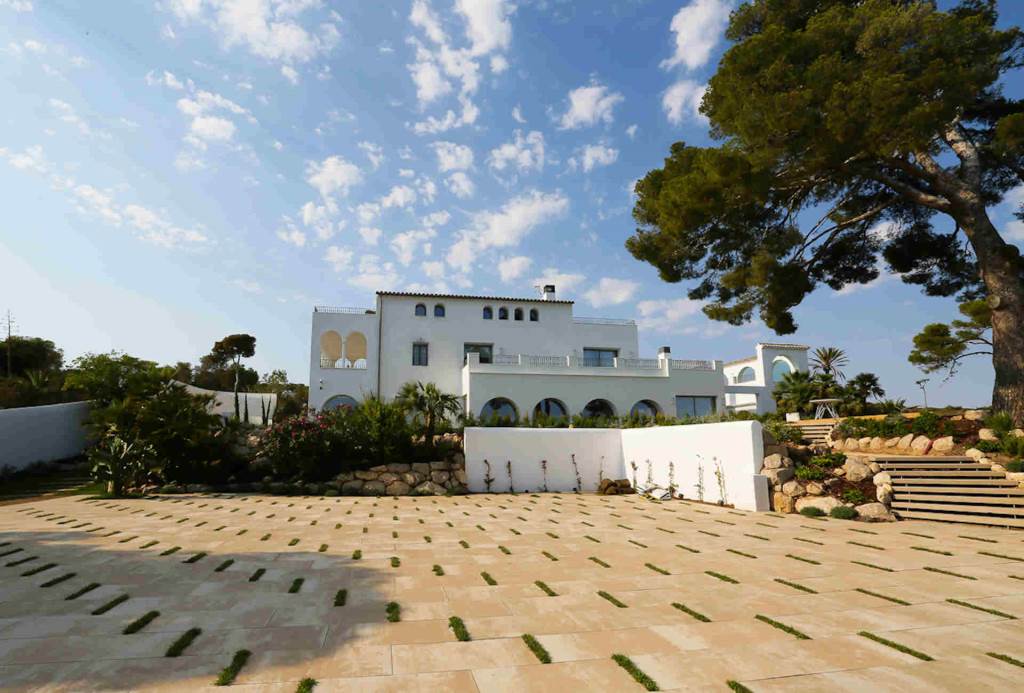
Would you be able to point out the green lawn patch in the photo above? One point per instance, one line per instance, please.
(357, 554)
(638, 675)
(228, 673)
(896, 646)
(687, 610)
(393, 611)
(182, 643)
(306, 685)
(459, 628)
(783, 627)
(395, 562)
(438, 570)
(537, 649)
(140, 623)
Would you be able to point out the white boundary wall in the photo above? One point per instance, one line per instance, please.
(42, 434)
(734, 449)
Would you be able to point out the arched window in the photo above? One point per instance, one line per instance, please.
(780, 367)
(534, 315)
(439, 311)
(355, 350)
(745, 375)
(503, 313)
(340, 402)
(421, 310)
(645, 408)
(552, 408)
(598, 408)
(518, 313)
(330, 349)
(488, 313)
(499, 410)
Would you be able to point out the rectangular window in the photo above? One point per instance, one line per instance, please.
(486, 352)
(600, 358)
(694, 406)
(419, 354)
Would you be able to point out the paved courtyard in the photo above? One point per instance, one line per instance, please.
(694, 595)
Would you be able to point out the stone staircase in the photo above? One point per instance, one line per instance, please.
(952, 489)
(815, 430)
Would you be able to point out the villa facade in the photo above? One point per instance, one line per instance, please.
(517, 357)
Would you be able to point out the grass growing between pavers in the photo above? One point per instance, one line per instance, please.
(296, 585)
(894, 600)
(994, 612)
(636, 672)
(195, 558)
(488, 579)
(875, 567)
(228, 673)
(459, 628)
(340, 597)
(181, 644)
(40, 569)
(116, 601)
(257, 574)
(357, 554)
(537, 649)
(948, 572)
(438, 570)
(612, 599)
(657, 569)
(395, 562)
(84, 590)
(224, 566)
(57, 580)
(925, 548)
(1001, 555)
(896, 646)
(168, 552)
(737, 687)
(687, 610)
(306, 685)
(544, 588)
(597, 560)
(723, 578)
(801, 558)
(393, 611)
(783, 627)
(140, 623)
(1006, 658)
(796, 586)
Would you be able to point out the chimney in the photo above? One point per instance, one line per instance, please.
(548, 294)
(664, 354)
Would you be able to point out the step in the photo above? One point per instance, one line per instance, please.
(948, 467)
(1017, 501)
(947, 481)
(951, 474)
(961, 518)
(919, 458)
(957, 508)
(966, 490)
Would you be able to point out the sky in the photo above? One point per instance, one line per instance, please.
(179, 170)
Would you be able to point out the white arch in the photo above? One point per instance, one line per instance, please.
(330, 349)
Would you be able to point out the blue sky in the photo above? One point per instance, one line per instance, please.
(180, 170)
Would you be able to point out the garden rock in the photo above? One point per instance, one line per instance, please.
(921, 445)
(824, 503)
(345, 476)
(439, 477)
(882, 479)
(777, 477)
(373, 488)
(439, 465)
(398, 467)
(856, 471)
(461, 477)
(892, 442)
(794, 489)
(974, 415)
(851, 444)
(352, 487)
(1017, 433)
(815, 489)
(776, 461)
(366, 475)
(421, 467)
(877, 443)
(874, 512)
(782, 503)
(944, 444)
(379, 468)
(864, 443)
(975, 454)
(884, 494)
(905, 442)
(414, 478)
(397, 488)
(429, 488)
(387, 477)
(987, 434)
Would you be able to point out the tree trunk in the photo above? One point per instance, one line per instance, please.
(1002, 270)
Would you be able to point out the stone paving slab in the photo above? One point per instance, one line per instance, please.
(587, 576)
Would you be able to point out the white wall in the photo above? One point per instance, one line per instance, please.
(735, 448)
(325, 383)
(42, 434)
(223, 403)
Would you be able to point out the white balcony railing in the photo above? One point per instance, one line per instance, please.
(692, 365)
(639, 364)
(340, 309)
(602, 321)
(332, 364)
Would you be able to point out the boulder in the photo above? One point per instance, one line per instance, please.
(373, 488)
(793, 489)
(458, 460)
(366, 475)
(877, 443)
(825, 503)
(864, 443)
(439, 465)
(397, 488)
(345, 476)
(996, 467)
(399, 467)
(776, 461)
(884, 494)
(975, 454)
(892, 442)
(439, 477)
(921, 445)
(973, 415)
(882, 479)
(905, 442)
(782, 503)
(815, 489)
(838, 471)
(379, 468)
(987, 434)
(856, 471)
(851, 444)
(780, 450)
(421, 467)
(777, 477)
(874, 467)
(944, 444)
(461, 477)
(352, 487)
(768, 438)
(1015, 476)
(1017, 433)
(414, 478)
(874, 512)
(387, 478)
(429, 488)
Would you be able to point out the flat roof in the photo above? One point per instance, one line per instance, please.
(412, 294)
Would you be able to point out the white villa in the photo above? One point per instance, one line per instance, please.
(516, 357)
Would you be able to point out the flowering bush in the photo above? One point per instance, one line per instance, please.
(302, 446)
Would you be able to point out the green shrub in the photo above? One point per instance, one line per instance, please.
(928, 423)
(1013, 446)
(812, 473)
(811, 511)
(829, 460)
(989, 446)
(1001, 423)
(854, 496)
(783, 432)
(1015, 466)
(843, 512)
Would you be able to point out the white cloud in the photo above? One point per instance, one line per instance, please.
(333, 175)
(487, 26)
(523, 153)
(370, 234)
(374, 275)
(404, 245)
(422, 15)
(398, 196)
(452, 157)
(513, 267)
(517, 115)
(667, 315)
(698, 27)
(1015, 230)
(340, 259)
(506, 227)
(213, 128)
(374, 153)
(277, 145)
(631, 131)
(67, 114)
(563, 281)
(248, 286)
(681, 101)
(292, 235)
(427, 189)
(368, 211)
(17, 5)
(166, 79)
(593, 155)
(460, 185)
(498, 64)
(290, 73)
(439, 218)
(611, 292)
(589, 105)
(430, 83)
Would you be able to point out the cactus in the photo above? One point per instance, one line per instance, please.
(508, 467)
(544, 472)
(488, 479)
(576, 471)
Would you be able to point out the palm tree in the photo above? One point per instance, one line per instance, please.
(829, 361)
(795, 391)
(428, 405)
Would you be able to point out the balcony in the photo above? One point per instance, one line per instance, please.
(332, 364)
(501, 362)
(343, 310)
(603, 321)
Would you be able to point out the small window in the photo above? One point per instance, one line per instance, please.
(340, 402)
(421, 310)
(780, 368)
(419, 354)
(488, 313)
(519, 314)
(486, 352)
(694, 406)
(746, 375)
(600, 358)
(439, 311)
(534, 315)
(503, 313)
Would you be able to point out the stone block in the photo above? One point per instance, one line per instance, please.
(905, 442)
(824, 503)
(874, 512)
(373, 488)
(399, 467)
(944, 444)
(856, 471)
(397, 488)
(353, 486)
(987, 434)
(921, 445)
(794, 489)
(782, 503)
